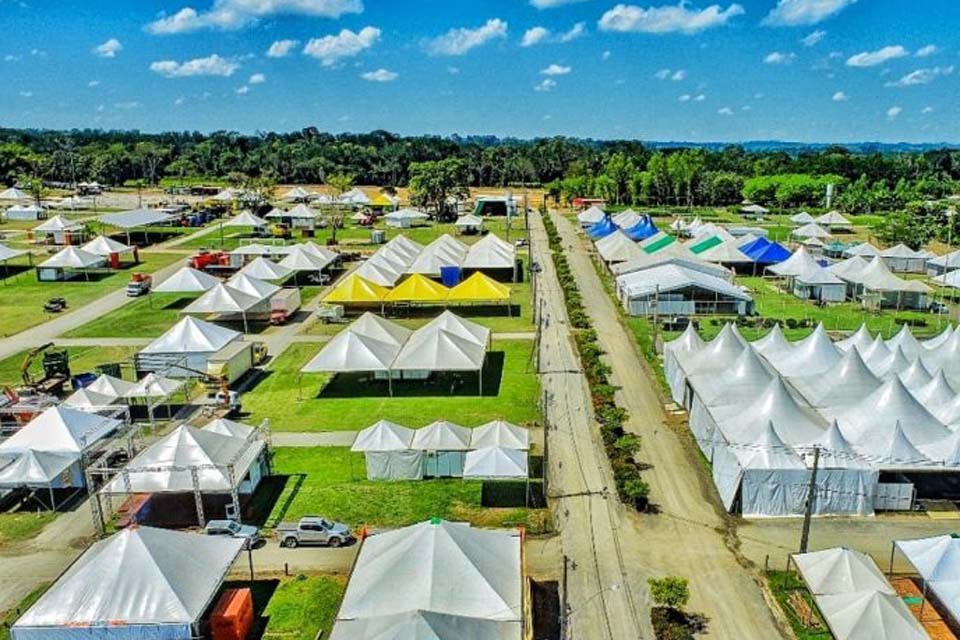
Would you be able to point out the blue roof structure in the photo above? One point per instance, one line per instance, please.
(642, 230)
(763, 251)
(601, 229)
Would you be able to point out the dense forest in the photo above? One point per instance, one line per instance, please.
(622, 171)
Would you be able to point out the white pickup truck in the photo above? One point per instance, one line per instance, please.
(313, 530)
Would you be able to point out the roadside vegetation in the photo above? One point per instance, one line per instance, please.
(304, 607)
(797, 605)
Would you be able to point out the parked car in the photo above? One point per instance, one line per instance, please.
(229, 528)
(313, 530)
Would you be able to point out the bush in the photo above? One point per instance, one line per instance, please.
(670, 591)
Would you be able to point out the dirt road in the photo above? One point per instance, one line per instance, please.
(687, 537)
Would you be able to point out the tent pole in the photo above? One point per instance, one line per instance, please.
(53, 501)
(390, 382)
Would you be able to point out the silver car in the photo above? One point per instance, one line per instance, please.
(249, 533)
(313, 530)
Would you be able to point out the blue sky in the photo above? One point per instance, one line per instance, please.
(804, 70)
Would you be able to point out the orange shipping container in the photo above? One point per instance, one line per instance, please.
(232, 618)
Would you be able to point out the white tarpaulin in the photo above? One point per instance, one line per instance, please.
(73, 258)
(493, 463)
(223, 299)
(59, 429)
(187, 280)
(840, 570)
(500, 433)
(264, 269)
(135, 218)
(245, 219)
(104, 246)
(869, 615)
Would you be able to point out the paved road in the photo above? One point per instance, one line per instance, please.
(605, 599)
(689, 537)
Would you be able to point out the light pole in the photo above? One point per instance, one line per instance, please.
(569, 612)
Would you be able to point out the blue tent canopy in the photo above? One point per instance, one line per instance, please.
(601, 229)
(763, 251)
(642, 230)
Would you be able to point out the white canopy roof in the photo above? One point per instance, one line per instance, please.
(433, 348)
(869, 615)
(840, 570)
(441, 436)
(73, 258)
(383, 436)
(59, 429)
(718, 354)
(619, 247)
(814, 354)
(849, 268)
(6, 253)
(229, 428)
(139, 575)
(799, 262)
(84, 398)
(440, 567)
(901, 251)
(425, 625)
(245, 219)
(495, 463)
(252, 286)
(191, 335)
(864, 250)
(915, 376)
(165, 466)
(874, 416)
(469, 221)
(500, 433)
(627, 218)
(187, 280)
(687, 342)
(104, 246)
(370, 343)
(811, 230)
(905, 340)
(153, 385)
(354, 196)
(670, 277)
(768, 451)
(406, 214)
(36, 468)
(861, 338)
(772, 342)
(725, 253)
(801, 218)
(13, 194)
(223, 299)
(949, 279)
(263, 269)
(843, 384)
(302, 212)
(591, 216)
(795, 423)
(58, 223)
(300, 259)
(739, 384)
(135, 218)
(378, 272)
(490, 252)
(836, 452)
(260, 249)
(296, 193)
(948, 261)
(833, 219)
(110, 386)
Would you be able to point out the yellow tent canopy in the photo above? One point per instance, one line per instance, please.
(479, 287)
(356, 289)
(383, 201)
(418, 288)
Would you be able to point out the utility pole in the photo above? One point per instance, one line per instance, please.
(808, 512)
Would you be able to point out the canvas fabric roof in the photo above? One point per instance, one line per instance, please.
(58, 223)
(352, 352)
(935, 393)
(754, 208)
(948, 261)
(229, 428)
(479, 287)
(245, 219)
(263, 269)
(949, 279)
(379, 328)
(901, 251)
(154, 385)
(443, 567)
(767, 451)
(495, 463)
(840, 570)
(799, 262)
(300, 259)
(296, 193)
(316, 250)
(469, 221)
(418, 288)
(876, 276)
(626, 218)
(187, 280)
(59, 429)
(378, 274)
(192, 335)
(139, 575)
(354, 196)
(223, 299)
(436, 349)
(836, 452)
(13, 194)
(814, 354)
(490, 252)
(301, 212)
(441, 436)
(356, 289)
(426, 625)
(861, 338)
(725, 253)
(801, 218)
(687, 341)
(135, 218)
(252, 286)
(6, 253)
(73, 258)
(864, 250)
(36, 468)
(772, 341)
(869, 615)
(811, 230)
(383, 436)
(849, 269)
(906, 341)
(165, 466)
(718, 354)
(591, 216)
(738, 385)
(84, 398)
(833, 219)
(618, 247)
(500, 433)
(843, 384)
(110, 386)
(406, 214)
(260, 249)
(104, 246)
(670, 277)
(795, 423)
(915, 376)
(647, 261)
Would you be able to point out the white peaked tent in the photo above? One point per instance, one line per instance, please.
(85, 399)
(801, 218)
(369, 343)
(716, 355)
(906, 341)
(469, 221)
(864, 250)
(444, 445)
(154, 386)
(354, 196)
(945, 263)
(110, 386)
(500, 433)
(490, 252)
(104, 246)
(811, 230)
(40, 470)
(189, 343)
(404, 218)
(796, 423)
(848, 269)
(902, 259)
(876, 352)
(495, 463)
(301, 212)
(229, 428)
(891, 365)
(937, 560)
(840, 570)
(754, 209)
(378, 272)
(252, 286)
(72, 258)
(470, 578)
(314, 249)
(246, 219)
(738, 385)
(296, 194)
(935, 393)
(61, 430)
(263, 269)
(590, 216)
(300, 259)
(819, 284)
(799, 262)
(915, 376)
(259, 249)
(833, 219)
(386, 446)
(187, 280)
(843, 384)
(725, 253)
(772, 342)
(6, 253)
(13, 194)
(225, 300)
(814, 354)
(139, 583)
(869, 615)
(627, 218)
(618, 247)
(950, 279)
(861, 339)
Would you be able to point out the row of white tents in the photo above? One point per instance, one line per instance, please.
(759, 410)
(495, 450)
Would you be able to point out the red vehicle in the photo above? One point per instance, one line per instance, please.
(206, 258)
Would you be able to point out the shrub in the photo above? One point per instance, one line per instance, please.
(670, 591)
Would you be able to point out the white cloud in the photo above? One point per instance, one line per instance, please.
(678, 75)
(457, 42)
(874, 58)
(179, 101)
(684, 98)
(380, 75)
(814, 38)
(700, 98)
(534, 35)
(573, 33)
(792, 13)
(329, 49)
(236, 14)
(556, 70)
(453, 71)
(921, 76)
(778, 57)
(840, 96)
(108, 49)
(893, 112)
(547, 84)
(10, 58)
(242, 91)
(927, 110)
(126, 106)
(605, 55)
(281, 48)
(667, 19)
(662, 74)
(725, 111)
(549, 4)
(212, 65)
(926, 51)
(257, 78)
(26, 94)
(93, 83)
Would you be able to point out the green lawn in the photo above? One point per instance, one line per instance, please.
(23, 525)
(145, 317)
(303, 606)
(276, 397)
(7, 618)
(782, 584)
(335, 486)
(81, 359)
(22, 296)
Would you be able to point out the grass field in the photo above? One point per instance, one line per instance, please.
(335, 486)
(276, 397)
(7, 618)
(145, 317)
(304, 606)
(23, 525)
(81, 359)
(785, 583)
(22, 296)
